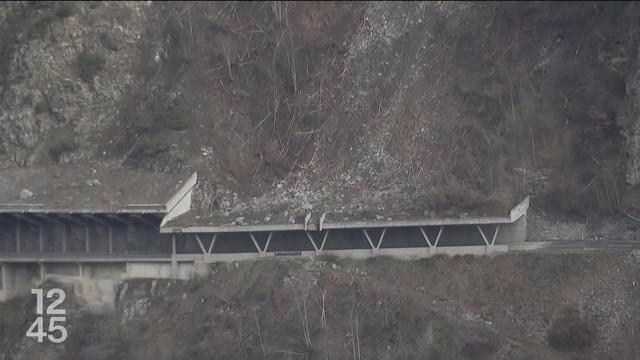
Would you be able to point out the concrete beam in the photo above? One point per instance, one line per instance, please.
(81, 258)
(40, 209)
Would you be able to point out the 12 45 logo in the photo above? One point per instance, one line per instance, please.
(56, 332)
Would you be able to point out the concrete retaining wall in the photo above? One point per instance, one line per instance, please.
(513, 233)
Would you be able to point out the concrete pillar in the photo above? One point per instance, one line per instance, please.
(435, 244)
(266, 246)
(41, 228)
(43, 271)
(17, 235)
(2, 278)
(8, 287)
(174, 263)
(86, 239)
(65, 236)
(81, 270)
(110, 239)
(4, 283)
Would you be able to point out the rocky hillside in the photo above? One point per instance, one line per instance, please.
(521, 307)
(432, 107)
(428, 108)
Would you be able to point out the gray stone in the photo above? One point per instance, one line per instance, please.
(93, 182)
(25, 194)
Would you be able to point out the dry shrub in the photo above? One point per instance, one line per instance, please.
(602, 195)
(570, 332)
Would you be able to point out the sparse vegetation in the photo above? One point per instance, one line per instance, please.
(40, 26)
(150, 148)
(437, 308)
(175, 116)
(570, 332)
(109, 41)
(61, 147)
(41, 107)
(90, 64)
(66, 9)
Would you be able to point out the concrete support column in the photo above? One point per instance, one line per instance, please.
(266, 246)
(199, 241)
(110, 227)
(8, 284)
(324, 240)
(65, 236)
(425, 236)
(18, 240)
(43, 271)
(495, 235)
(87, 233)
(174, 262)
(384, 231)
(81, 270)
(435, 245)
(255, 243)
(311, 240)
(41, 228)
(5, 286)
(3, 277)
(366, 235)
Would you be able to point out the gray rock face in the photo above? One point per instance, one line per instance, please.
(25, 194)
(46, 108)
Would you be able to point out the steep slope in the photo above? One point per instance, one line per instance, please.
(505, 307)
(348, 107)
